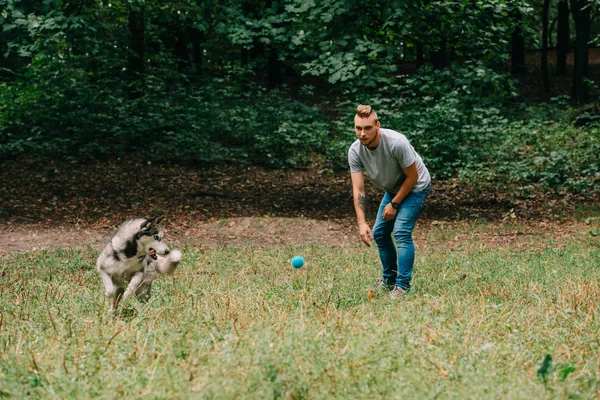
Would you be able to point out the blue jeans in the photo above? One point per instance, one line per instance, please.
(398, 266)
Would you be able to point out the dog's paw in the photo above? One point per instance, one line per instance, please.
(152, 254)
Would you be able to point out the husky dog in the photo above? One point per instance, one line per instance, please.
(128, 263)
(143, 291)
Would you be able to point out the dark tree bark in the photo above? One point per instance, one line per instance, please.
(518, 48)
(420, 59)
(439, 57)
(181, 42)
(74, 7)
(266, 56)
(274, 74)
(197, 37)
(562, 37)
(581, 17)
(274, 65)
(551, 33)
(545, 73)
(135, 62)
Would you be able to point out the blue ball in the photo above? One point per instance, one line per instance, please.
(297, 262)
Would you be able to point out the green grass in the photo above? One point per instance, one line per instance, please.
(242, 323)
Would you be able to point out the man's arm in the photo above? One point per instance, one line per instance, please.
(412, 176)
(358, 192)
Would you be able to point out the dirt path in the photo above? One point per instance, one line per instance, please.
(267, 232)
(49, 204)
(245, 231)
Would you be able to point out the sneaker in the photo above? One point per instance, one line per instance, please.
(397, 292)
(380, 286)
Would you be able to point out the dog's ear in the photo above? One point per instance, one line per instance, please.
(151, 222)
(147, 224)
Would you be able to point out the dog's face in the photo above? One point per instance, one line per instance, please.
(151, 235)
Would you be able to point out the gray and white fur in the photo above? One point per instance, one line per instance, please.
(128, 263)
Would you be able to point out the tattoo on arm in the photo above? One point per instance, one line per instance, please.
(362, 202)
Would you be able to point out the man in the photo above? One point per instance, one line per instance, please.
(393, 165)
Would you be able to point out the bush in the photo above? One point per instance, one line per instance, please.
(460, 121)
(553, 155)
(445, 114)
(73, 114)
(457, 119)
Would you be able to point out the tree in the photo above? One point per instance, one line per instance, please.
(135, 61)
(544, 69)
(439, 55)
(518, 46)
(580, 10)
(562, 37)
(419, 55)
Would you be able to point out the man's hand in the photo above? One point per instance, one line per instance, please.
(389, 212)
(365, 234)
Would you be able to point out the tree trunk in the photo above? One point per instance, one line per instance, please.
(562, 37)
(439, 57)
(135, 62)
(274, 74)
(419, 55)
(545, 74)
(181, 49)
(518, 48)
(197, 37)
(274, 65)
(581, 18)
(551, 33)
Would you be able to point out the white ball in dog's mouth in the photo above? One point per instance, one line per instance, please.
(175, 255)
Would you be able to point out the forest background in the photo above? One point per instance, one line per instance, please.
(493, 92)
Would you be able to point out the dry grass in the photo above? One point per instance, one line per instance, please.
(240, 322)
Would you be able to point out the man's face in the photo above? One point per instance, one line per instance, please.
(366, 129)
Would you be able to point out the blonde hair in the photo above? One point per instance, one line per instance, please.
(364, 110)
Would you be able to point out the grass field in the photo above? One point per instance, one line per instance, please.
(241, 323)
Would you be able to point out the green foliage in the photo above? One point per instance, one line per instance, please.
(541, 154)
(446, 114)
(200, 95)
(72, 114)
(368, 58)
(456, 121)
(480, 29)
(266, 127)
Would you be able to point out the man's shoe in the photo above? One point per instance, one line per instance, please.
(380, 286)
(397, 292)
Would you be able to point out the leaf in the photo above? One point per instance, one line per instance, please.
(565, 371)
(545, 368)
(24, 52)
(335, 77)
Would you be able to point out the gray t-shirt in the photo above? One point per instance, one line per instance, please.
(384, 164)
